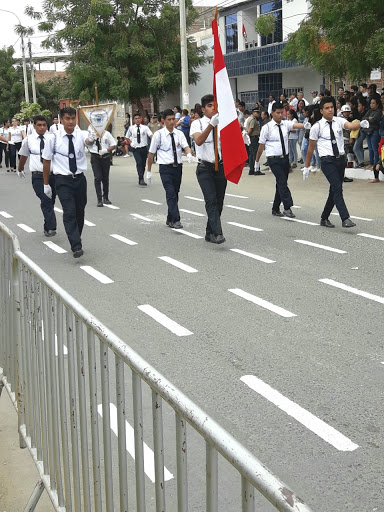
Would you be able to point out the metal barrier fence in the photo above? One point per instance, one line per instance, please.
(70, 378)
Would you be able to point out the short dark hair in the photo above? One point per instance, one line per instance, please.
(39, 118)
(25, 120)
(242, 104)
(372, 86)
(271, 96)
(327, 99)
(67, 110)
(277, 106)
(363, 85)
(363, 101)
(137, 115)
(168, 112)
(55, 117)
(208, 98)
(178, 108)
(354, 88)
(327, 93)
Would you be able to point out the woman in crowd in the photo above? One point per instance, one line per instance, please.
(380, 165)
(374, 116)
(358, 145)
(292, 140)
(4, 144)
(301, 117)
(16, 135)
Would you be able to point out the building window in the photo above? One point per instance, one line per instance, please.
(231, 33)
(274, 8)
(270, 83)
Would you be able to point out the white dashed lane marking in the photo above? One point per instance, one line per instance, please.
(6, 215)
(27, 228)
(183, 232)
(234, 195)
(123, 239)
(301, 221)
(55, 247)
(178, 264)
(141, 217)
(87, 223)
(112, 206)
(306, 418)
(96, 274)
(151, 202)
(194, 198)
(370, 236)
(263, 303)
(58, 209)
(166, 322)
(353, 217)
(192, 213)
(239, 208)
(294, 206)
(319, 246)
(244, 226)
(355, 291)
(149, 457)
(254, 256)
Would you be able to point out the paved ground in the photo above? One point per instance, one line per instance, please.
(272, 349)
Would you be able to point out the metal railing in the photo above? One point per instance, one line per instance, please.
(72, 379)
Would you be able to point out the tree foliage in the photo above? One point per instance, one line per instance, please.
(265, 24)
(30, 110)
(340, 39)
(11, 84)
(132, 50)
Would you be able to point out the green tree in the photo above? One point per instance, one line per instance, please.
(340, 39)
(11, 84)
(132, 50)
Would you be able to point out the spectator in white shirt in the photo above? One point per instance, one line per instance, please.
(4, 144)
(270, 104)
(16, 135)
(300, 96)
(293, 101)
(315, 96)
(138, 136)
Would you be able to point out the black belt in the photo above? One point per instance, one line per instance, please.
(39, 172)
(333, 156)
(73, 176)
(279, 156)
(205, 162)
(107, 155)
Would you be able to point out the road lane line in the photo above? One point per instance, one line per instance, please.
(151, 202)
(149, 457)
(88, 223)
(263, 303)
(234, 195)
(306, 418)
(137, 216)
(55, 247)
(183, 232)
(96, 274)
(192, 213)
(319, 246)
(251, 228)
(178, 264)
(254, 256)
(27, 228)
(293, 206)
(6, 215)
(112, 206)
(166, 322)
(123, 239)
(58, 209)
(194, 198)
(353, 217)
(239, 208)
(301, 221)
(356, 291)
(370, 236)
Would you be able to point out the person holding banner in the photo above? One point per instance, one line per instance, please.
(138, 136)
(212, 183)
(65, 152)
(101, 162)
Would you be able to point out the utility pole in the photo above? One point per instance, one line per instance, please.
(184, 56)
(32, 72)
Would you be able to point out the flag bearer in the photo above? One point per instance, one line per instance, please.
(101, 151)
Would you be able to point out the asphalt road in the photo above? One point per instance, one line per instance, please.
(286, 341)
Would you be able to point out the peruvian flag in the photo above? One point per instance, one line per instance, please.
(233, 149)
(244, 33)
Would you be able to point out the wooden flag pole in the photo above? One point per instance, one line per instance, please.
(96, 94)
(215, 130)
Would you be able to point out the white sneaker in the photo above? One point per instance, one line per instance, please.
(125, 156)
(313, 168)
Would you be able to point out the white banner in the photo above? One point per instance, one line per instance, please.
(98, 116)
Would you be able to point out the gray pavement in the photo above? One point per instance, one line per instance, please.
(328, 359)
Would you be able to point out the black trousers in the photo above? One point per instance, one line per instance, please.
(100, 168)
(46, 204)
(280, 169)
(171, 180)
(72, 193)
(140, 155)
(3, 148)
(333, 169)
(213, 185)
(13, 152)
(253, 147)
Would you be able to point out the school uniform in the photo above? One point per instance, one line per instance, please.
(54, 128)
(4, 147)
(169, 146)
(101, 163)
(14, 143)
(139, 137)
(67, 155)
(32, 147)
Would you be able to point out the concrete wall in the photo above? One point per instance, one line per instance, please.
(305, 78)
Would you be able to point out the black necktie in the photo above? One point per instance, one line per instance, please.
(71, 155)
(41, 137)
(335, 149)
(57, 127)
(98, 145)
(282, 140)
(174, 149)
(138, 135)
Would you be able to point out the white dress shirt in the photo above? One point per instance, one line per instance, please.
(316, 100)
(207, 150)
(4, 133)
(56, 150)
(55, 128)
(321, 132)
(145, 135)
(16, 134)
(162, 144)
(29, 129)
(270, 136)
(270, 104)
(293, 103)
(31, 147)
(106, 141)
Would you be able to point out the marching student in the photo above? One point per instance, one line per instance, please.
(65, 152)
(33, 146)
(55, 127)
(328, 135)
(169, 143)
(16, 135)
(4, 144)
(138, 136)
(101, 151)
(212, 183)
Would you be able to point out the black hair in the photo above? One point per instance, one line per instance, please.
(67, 110)
(272, 96)
(185, 111)
(363, 101)
(378, 101)
(247, 112)
(178, 108)
(137, 115)
(293, 113)
(39, 118)
(327, 93)
(277, 106)
(55, 117)
(208, 98)
(242, 104)
(341, 100)
(25, 120)
(327, 99)
(354, 88)
(168, 112)
(372, 86)
(364, 85)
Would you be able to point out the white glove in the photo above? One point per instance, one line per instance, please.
(48, 191)
(189, 158)
(257, 166)
(149, 176)
(214, 120)
(21, 174)
(364, 123)
(307, 125)
(305, 173)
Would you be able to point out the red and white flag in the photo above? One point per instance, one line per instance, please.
(244, 33)
(233, 149)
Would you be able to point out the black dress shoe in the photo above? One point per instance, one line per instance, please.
(169, 223)
(259, 173)
(78, 253)
(326, 223)
(347, 223)
(177, 225)
(215, 239)
(288, 213)
(142, 183)
(251, 174)
(106, 200)
(100, 203)
(220, 239)
(277, 213)
(347, 180)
